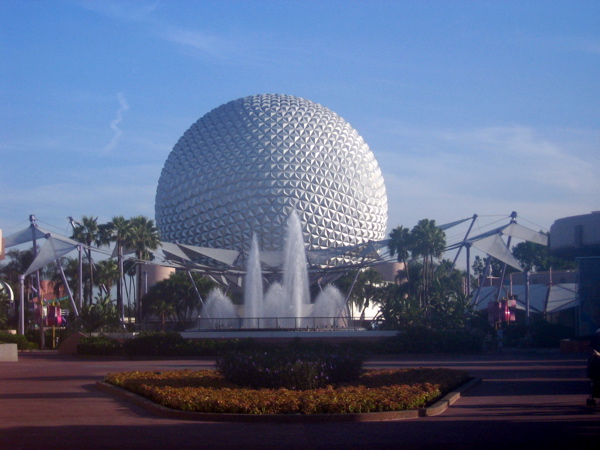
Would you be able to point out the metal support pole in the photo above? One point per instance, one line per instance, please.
(145, 277)
(196, 291)
(80, 275)
(352, 287)
(22, 305)
(513, 219)
(473, 219)
(485, 272)
(120, 290)
(79, 266)
(527, 299)
(468, 269)
(33, 227)
(69, 293)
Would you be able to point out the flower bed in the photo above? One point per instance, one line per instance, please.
(375, 390)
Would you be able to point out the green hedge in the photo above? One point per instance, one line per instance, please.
(98, 346)
(19, 339)
(60, 334)
(289, 368)
(540, 334)
(165, 344)
(425, 340)
(162, 343)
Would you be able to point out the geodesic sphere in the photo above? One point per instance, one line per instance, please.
(243, 167)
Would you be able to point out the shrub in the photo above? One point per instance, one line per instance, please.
(19, 339)
(169, 343)
(288, 368)
(425, 340)
(549, 335)
(58, 334)
(540, 334)
(215, 347)
(97, 345)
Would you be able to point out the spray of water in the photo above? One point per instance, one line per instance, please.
(285, 305)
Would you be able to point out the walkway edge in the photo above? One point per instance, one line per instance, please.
(437, 408)
(449, 399)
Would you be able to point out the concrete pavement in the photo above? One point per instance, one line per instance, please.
(533, 399)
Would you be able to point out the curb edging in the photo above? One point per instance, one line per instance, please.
(449, 399)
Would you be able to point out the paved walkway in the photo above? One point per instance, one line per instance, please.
(527, 400)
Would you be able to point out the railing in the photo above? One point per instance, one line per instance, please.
(284, 323)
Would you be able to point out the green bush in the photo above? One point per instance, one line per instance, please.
(549, 335)
(425, 340)
(162, 343)
(19, 339)
(98, 345)
(59, 334)
(541, 334)
(289, 368)
(215, 347)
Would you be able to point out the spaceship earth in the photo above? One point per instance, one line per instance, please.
(242, 169)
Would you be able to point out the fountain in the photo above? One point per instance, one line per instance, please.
(219, 311)
(253, 288)
(286, 304)
(295, 274)
(330, 310)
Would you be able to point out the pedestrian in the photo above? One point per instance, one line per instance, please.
(499, 339)
(593, 368)
(595, 341)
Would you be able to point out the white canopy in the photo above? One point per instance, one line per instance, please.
(26, 235)
(520, 232)
(542, 297)
(494, 246)
(222, 255)
(561, 297)
(53, 249)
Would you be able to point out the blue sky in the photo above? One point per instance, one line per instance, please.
(470, 107)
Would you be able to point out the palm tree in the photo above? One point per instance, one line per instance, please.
(400, 244)
(118, 230)
(164, 310)
(88, 232)
(107, 274)
(367, 290)
(143, 237)
(179, 291)
(428, 241)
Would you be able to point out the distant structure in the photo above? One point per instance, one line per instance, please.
(552, 295)
(242, 169)
(578, 237)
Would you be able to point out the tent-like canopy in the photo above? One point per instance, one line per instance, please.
(54, 247)
(543, 298)
(492, 244)
(225, 261)
(27, 235)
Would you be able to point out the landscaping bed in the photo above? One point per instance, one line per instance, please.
(208, 391)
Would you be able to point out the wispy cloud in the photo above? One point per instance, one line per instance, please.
(120, 10)
(520, 154)
(84, 191)
(114, 124)
(146, 14)
(580, 44)
(448, 174)
(190, 38)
